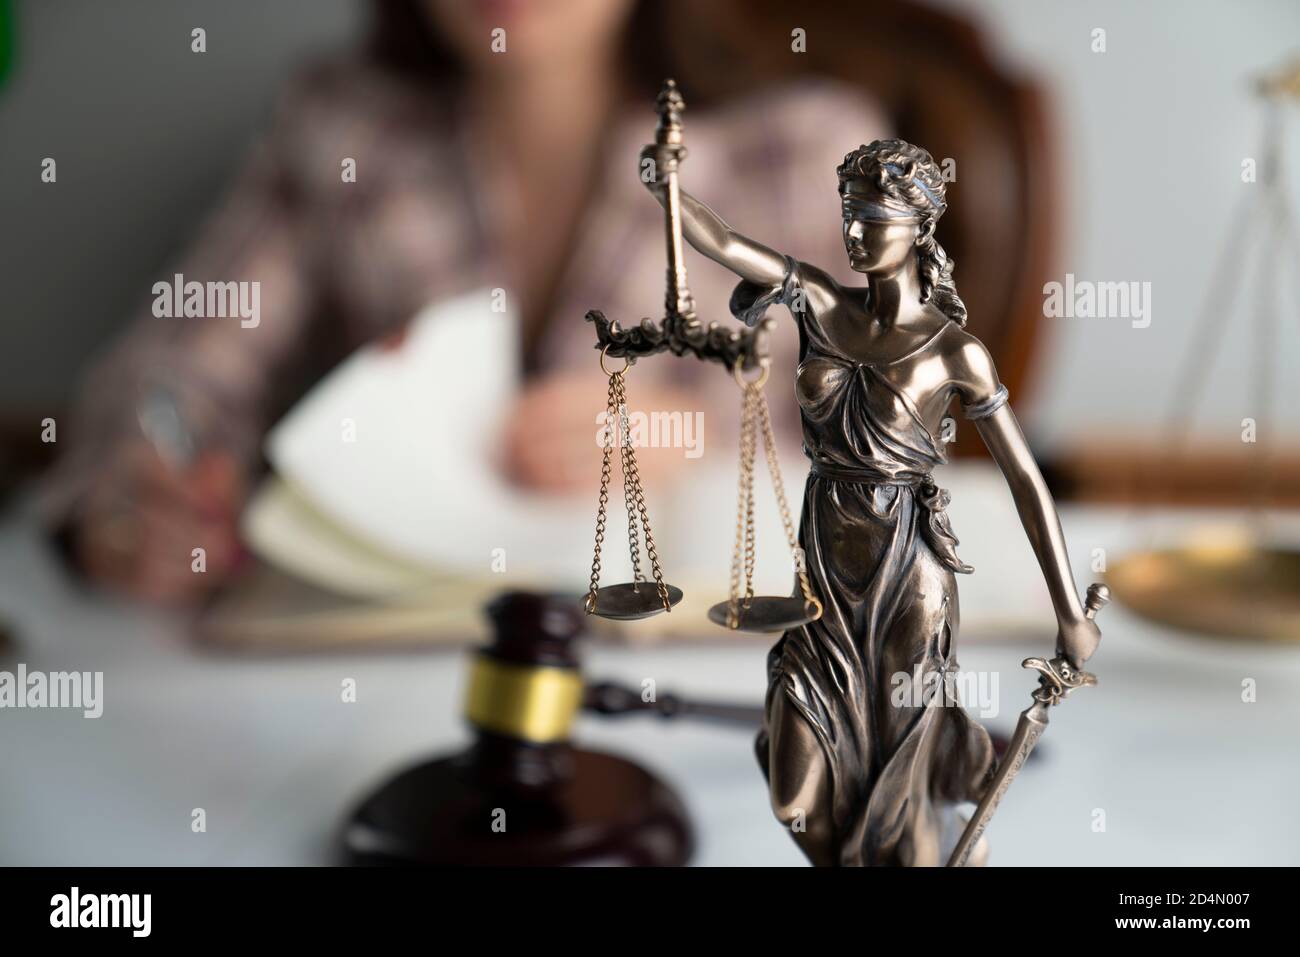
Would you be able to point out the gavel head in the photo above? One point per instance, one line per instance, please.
(525, 687)
(534, 629)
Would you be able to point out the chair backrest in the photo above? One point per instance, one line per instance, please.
(933, 75)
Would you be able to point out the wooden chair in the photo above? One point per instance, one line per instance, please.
(941, 88)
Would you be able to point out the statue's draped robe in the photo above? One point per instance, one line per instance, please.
(880, 556)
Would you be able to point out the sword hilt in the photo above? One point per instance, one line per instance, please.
(1057, 677)
(1098, 598)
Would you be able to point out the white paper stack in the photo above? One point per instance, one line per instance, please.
(386, 492)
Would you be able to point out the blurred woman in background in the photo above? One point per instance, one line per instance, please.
(483, 160)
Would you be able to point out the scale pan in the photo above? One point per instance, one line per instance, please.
(1229, 591)
(766, 613)
(632, 600)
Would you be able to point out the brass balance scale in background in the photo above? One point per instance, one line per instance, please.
(745, 352)
(1244, 585)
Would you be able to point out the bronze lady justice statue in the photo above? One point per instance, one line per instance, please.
(858, 779)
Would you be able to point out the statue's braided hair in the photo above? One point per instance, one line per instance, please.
(910, 175)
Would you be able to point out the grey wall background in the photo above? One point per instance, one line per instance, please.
(146, 133)
(1153, 132)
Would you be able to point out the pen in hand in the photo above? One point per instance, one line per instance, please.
(160, 521)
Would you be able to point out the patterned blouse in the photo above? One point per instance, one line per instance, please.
(343, 263)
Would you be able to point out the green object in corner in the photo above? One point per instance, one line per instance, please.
(6, 40)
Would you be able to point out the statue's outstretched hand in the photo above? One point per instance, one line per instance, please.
(1077, 641)
(654, 162)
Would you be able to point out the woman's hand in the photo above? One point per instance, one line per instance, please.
(551, 440)
(1078, 640)
(140, 525)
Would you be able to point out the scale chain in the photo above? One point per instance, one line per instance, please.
(744, 512)
(629, 467)
(749, 496)
(601, 509)
(616, 411)
(774, 469)
(632, 481)
(633, 477)
(756, 425)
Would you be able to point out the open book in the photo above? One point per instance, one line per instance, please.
(386, 520)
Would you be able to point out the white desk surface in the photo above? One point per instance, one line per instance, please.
(1185, 772)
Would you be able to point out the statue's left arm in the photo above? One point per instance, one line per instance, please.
(984, 399)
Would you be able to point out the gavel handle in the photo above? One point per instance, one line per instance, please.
(614, 700)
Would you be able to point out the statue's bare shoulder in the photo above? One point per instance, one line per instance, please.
(970, 366)
(823, 291)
